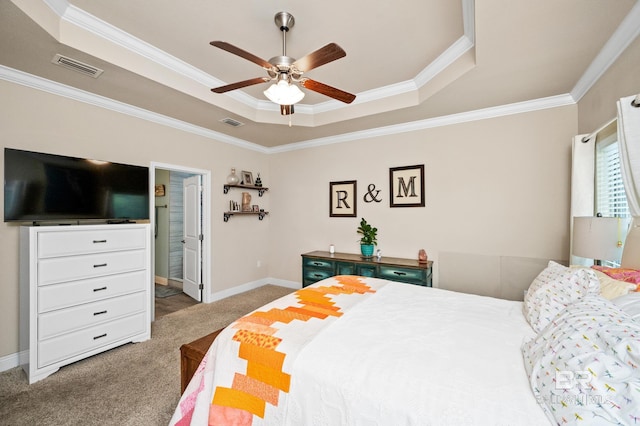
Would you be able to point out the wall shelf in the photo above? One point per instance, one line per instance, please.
(261, 190)
(260, 215)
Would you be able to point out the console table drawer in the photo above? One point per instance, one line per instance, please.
(313, 275)
(408, 275)
(317, 264)
(59, 269)
(87, 339)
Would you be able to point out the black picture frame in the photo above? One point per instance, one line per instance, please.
(343, 198)
(247, 178)
(406, 186)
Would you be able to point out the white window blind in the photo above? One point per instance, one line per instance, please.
(610, 199)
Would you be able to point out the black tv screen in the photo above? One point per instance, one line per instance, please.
(46, 187)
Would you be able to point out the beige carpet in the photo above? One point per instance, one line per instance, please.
(135, 384)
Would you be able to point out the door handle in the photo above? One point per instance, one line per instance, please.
(183, 241)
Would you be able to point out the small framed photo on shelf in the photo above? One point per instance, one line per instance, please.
(255, 208)
(247, 178)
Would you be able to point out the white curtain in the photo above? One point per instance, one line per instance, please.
(629, 142)
(582, 190)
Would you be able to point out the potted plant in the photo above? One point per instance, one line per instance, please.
(369, 238)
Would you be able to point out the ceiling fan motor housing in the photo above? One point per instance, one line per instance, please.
(284, 21)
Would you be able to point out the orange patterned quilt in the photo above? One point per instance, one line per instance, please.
(246, 373)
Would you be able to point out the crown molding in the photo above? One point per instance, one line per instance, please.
(447, 120)
(39, 83)
(91, 24)
(622, 37)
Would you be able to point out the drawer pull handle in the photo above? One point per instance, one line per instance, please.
(399, 273)
(100, 265)
(99, 289)
(99, 241)
(100, 336)
(317, 263)
(317, 275)
(99, 313)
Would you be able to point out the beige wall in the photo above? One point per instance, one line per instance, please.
(497, 190)
(497, 187)
(39, 121)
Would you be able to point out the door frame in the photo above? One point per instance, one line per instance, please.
(206, 225)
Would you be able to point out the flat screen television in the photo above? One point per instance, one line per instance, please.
(42, 187)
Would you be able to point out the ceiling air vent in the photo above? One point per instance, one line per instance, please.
(232, 122)
(78, 66)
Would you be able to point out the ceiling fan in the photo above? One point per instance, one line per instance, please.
(287, 72)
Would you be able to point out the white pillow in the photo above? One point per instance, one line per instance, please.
(555, 288)
(629, 303)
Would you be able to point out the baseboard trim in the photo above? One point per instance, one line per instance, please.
(10, 361)
(218, 295)
(161, 280)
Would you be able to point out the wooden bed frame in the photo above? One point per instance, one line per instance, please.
(191, 355)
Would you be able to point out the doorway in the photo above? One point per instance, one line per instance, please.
(171, 201)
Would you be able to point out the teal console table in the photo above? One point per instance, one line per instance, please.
(318, 265)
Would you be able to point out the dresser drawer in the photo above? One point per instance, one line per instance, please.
(407, 275)
(63, 243)
(317, 263)
(60, 269)
(89, 314)
(72, 293)
(76, 343)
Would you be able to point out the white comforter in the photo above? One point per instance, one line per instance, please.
(402, 355)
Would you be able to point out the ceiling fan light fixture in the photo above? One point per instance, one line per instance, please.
(284, 93)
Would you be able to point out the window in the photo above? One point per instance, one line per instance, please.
(610, 198)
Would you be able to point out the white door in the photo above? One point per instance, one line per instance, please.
(192, 242)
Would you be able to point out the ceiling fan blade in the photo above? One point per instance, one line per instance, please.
(332, 92)
(240, 84)
(242, 53)
(322, 56)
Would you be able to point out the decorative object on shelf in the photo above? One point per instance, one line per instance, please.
(247, 178)
(369, 238)
(159, 189)
(407, 186)
(244, 207)
(246, 202)
(422, 257)
(332, 248)
(342, 199)
(379, 254)
(233, 178)
(258, 181)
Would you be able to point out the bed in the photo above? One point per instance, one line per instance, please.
(352, 350)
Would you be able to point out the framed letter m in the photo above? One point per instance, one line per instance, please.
(407, 186)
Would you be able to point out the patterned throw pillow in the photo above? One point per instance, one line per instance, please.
(620, 274)
(583, 367)
(553, 290)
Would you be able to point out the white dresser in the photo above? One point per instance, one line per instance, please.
(83, 290)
